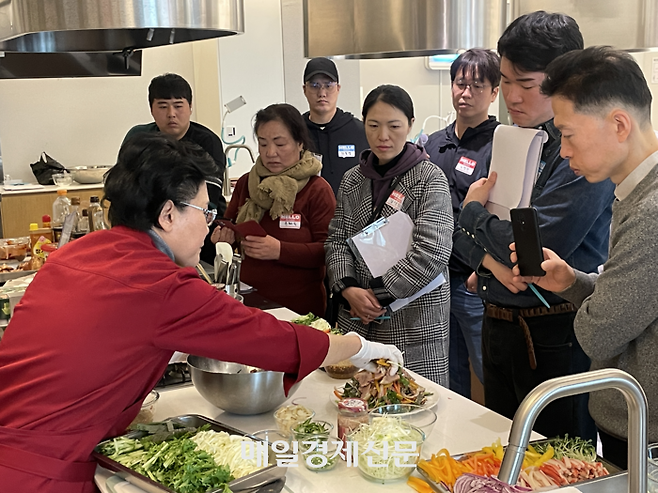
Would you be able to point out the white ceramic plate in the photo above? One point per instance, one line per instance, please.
(432, 400)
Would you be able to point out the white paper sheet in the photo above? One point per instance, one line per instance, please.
(515, 157)
(397, 304)
(383, 244)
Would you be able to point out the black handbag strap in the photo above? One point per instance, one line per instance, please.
(377, 208)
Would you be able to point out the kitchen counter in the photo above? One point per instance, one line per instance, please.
(19, 208)
(462, 426)
(49, 188)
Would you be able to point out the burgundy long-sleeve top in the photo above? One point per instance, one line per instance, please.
(296, 280)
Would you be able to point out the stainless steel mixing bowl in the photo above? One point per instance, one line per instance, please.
(89, 174)
(231, 386)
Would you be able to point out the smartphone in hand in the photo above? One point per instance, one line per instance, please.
(528, 241)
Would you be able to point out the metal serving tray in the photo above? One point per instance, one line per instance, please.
(268, 479)
(439, 488)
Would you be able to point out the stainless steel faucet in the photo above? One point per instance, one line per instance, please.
(227, 181)
(581, 383)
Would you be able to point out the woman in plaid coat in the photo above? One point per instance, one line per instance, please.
(395, 175)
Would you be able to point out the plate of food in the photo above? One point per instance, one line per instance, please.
(381, 389)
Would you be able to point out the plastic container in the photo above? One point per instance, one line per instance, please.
(341, 370)
(287, 417)
(61, 208)
(387, 459)
(14, 248)
(352, 413)
(147, 410)
(320, 453)
(38, 237)
(652, 468)
(62, 179)
(301, 436)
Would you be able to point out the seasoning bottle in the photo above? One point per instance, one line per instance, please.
(95, 213)
(351, 413)
(45, 221)
(83, 222)
(75, 209)
(39, 237)
(61, 208)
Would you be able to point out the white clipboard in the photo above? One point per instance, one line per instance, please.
(382, 244)
(515, 158)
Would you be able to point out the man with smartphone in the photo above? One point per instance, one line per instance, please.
(602, 106)
(524, 343)
(463, 151)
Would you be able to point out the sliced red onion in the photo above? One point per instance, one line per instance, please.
(472, 483)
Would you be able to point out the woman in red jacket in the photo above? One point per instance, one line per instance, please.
(293, 204)
(97, 326)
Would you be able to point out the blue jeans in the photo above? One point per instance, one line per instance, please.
(466, 311)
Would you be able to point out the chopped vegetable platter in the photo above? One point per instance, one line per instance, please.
(558, 461)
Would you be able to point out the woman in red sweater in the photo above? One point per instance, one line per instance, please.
(293, 204)
(96, 328)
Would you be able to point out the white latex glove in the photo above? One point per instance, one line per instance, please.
(373, 351)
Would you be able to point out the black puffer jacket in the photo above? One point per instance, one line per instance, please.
(463, 161)
(344, 134)
(446, 151)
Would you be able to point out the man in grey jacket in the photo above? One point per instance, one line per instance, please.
(602, 106)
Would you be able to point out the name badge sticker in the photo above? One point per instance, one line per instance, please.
(290, 221)
(466, 166)
(346, 150)
(395, 200)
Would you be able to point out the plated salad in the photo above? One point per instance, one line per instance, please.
(381, 389)
(315, 322)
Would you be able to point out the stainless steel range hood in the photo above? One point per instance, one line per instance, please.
(47, 26)
(400, 28)
(629, 25)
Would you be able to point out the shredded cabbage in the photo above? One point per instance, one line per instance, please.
(377, 440)
(226, 450)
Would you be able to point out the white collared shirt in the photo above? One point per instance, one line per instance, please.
(636, 176)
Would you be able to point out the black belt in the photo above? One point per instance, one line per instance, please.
(514, 314)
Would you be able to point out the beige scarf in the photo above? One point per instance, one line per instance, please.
(276, 192)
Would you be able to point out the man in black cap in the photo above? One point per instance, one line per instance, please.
(338, 136)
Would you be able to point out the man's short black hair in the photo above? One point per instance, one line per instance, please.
(151, 169)
(169, 86)
(534, 40)
(597, 78)
(481, 65)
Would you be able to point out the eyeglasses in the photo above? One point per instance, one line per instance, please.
(327, 86)
(211, 214)
(475, 87)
